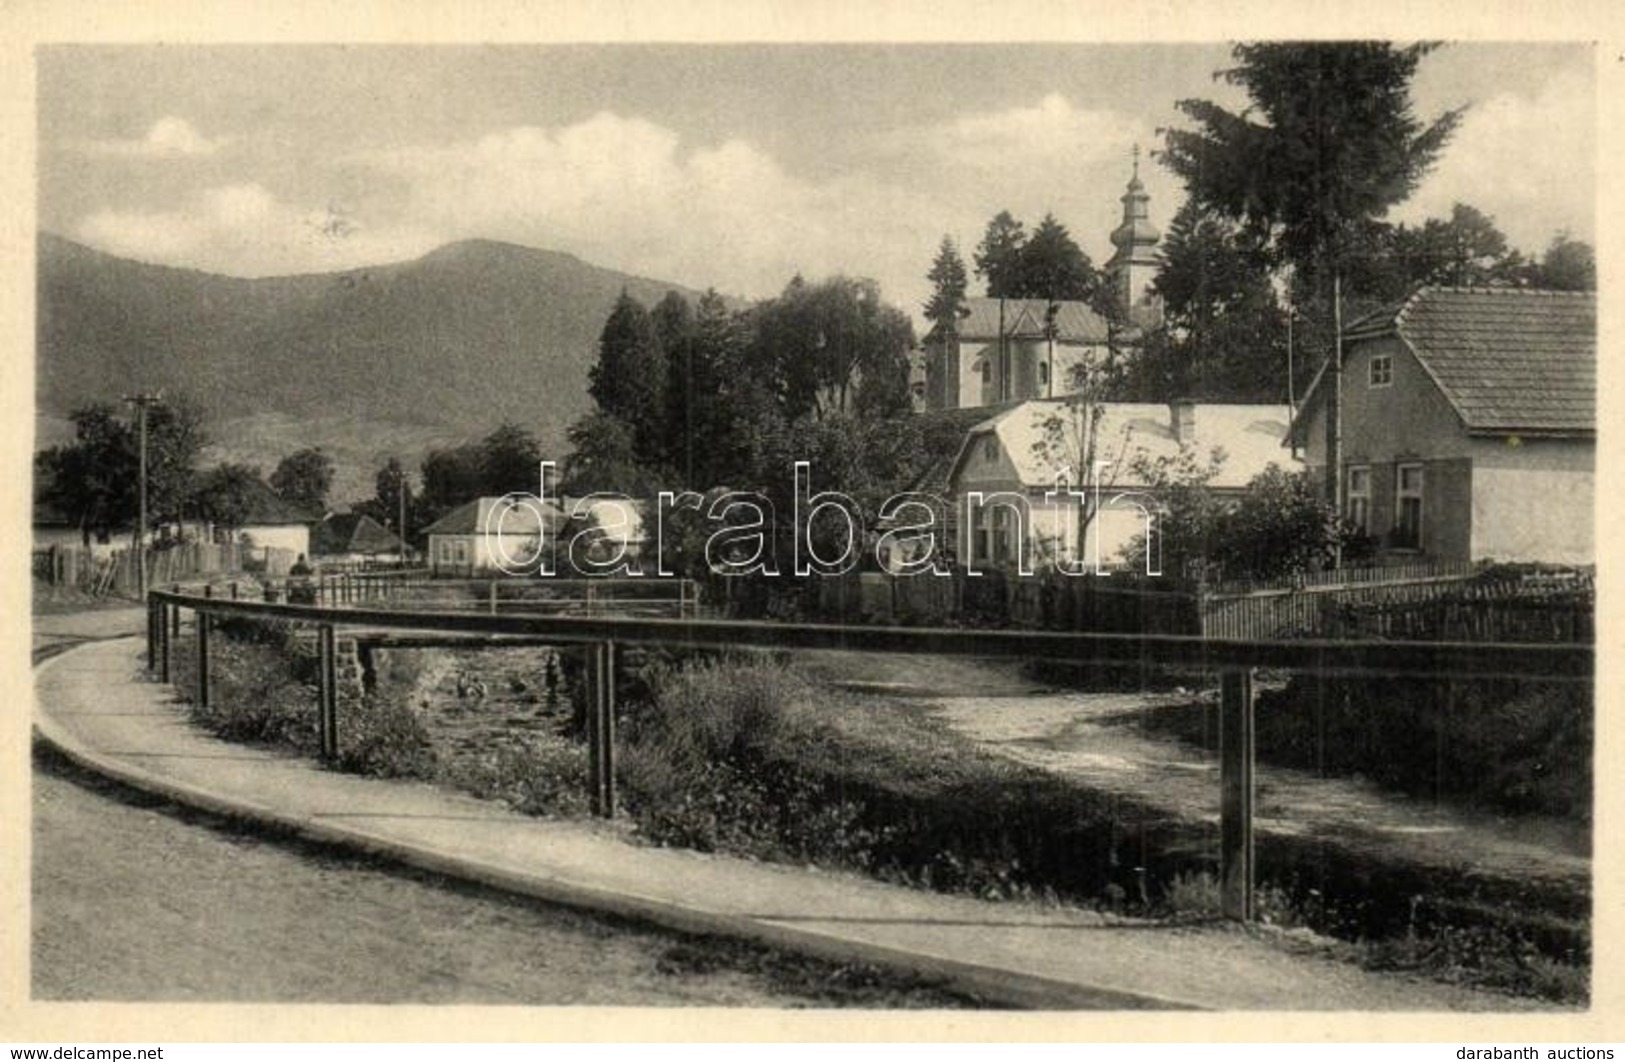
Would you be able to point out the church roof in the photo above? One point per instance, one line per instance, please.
(1075, 322)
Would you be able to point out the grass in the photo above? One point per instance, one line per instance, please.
(746, 755)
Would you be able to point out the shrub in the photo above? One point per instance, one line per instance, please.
(382, 737)
(538, 775)
(729, 755)
(262, 693)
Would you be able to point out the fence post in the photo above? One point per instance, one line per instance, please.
(327, 705)
(152, 634)
(201, 621)
(1236, 794)
(601, 727)
(493, 596)
(165, 635)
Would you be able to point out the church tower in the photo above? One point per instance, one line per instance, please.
(1135, 263)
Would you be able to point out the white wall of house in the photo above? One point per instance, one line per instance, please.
(480, 553)
(295, 537)
(1532, 500)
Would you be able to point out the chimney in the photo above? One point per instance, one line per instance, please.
(1182, 419)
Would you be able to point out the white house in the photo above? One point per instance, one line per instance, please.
(489, 535)
(1010, 483)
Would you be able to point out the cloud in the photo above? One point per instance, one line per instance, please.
(1052, 156)
(243, 230)
(1529, 162)
(631, 194)
(167, 138)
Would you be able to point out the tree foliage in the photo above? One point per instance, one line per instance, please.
(1328, 140)
(1567, 265)
(998, 255)
(304, 478)
(95, 480)
(1046, 264)
(948, 286)
(629, 379)
(507, 460)
(832, 347)
(226, 493)
(1225, 329)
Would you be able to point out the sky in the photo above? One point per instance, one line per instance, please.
(734, 167)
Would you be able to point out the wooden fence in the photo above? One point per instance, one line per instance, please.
(1455, 602)
(103, 572)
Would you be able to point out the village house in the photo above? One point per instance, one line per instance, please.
(490, 535)
(354, 538)
(1469, 426)
(1018, 456)
(271, 523)
(1012, 350)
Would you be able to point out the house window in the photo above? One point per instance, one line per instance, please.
(1001, 535)
(987, 372)
(1408, 510)
(1043, 374)
(462, 553)
(1359, 498)
(1382, 370)
(445, 552)
(990, 449)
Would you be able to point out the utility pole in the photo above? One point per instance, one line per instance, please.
(1334, 411)
(142, 401)
(400, 498)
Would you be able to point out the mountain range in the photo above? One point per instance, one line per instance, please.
(367, 363)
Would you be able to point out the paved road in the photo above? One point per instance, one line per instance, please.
(134, 901)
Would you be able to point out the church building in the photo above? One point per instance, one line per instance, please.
(1012, 350)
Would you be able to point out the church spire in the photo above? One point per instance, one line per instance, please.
(1136, 239)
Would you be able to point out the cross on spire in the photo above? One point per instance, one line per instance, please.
(1136, 158)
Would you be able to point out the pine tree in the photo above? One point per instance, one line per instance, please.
(948, 284)
(1327, 141)
(1052, 266)
(628, 382)
(998, 255)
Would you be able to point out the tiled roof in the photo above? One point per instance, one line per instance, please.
(1508, 359)
(352, 533)
(1075, 322)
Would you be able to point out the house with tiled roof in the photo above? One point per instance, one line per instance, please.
(272, 522)
(489, 535)
(353, 537)
(1469, 424)
(1005, 478)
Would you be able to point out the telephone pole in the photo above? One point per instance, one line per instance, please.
(142, 402)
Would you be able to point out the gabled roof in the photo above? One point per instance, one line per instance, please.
(1249, 435)
(942, 433)
(1506, 359)
(486, 515)
(1075, 322)
(352, 533)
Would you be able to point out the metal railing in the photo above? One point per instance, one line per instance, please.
(1235, 660)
